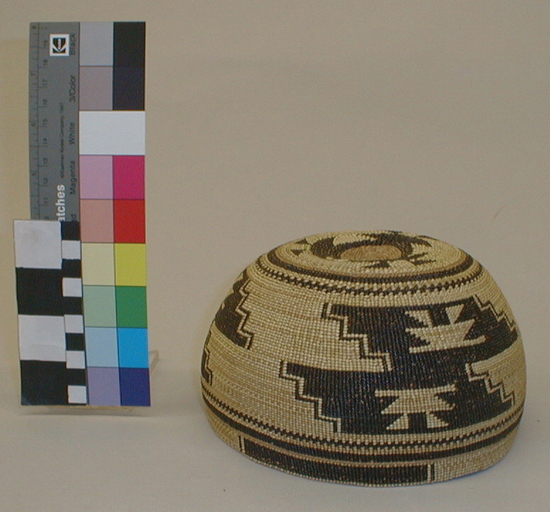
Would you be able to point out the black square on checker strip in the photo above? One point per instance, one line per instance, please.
(70, 230)
(72, 268)
(75, 341)
(72, 306)
(76, 377)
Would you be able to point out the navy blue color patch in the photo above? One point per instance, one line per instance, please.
(134, 387)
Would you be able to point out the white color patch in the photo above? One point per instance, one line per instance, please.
(112, 133)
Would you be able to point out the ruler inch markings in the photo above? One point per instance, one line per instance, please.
(53, 120)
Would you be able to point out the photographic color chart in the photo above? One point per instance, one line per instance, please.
(87, 188)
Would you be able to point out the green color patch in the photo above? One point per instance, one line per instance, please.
(131, 306)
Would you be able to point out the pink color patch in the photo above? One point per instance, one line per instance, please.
(96, 177)
(96, 220)
(129, 177)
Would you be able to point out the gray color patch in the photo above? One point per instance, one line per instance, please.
(96, 88)
(96, 44)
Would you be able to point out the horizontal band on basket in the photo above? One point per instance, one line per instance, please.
(503, 429)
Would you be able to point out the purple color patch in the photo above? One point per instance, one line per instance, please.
(104, 386)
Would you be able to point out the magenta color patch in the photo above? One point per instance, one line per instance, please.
(96, 177)
(129, 177)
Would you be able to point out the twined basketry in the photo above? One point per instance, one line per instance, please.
(371, 358)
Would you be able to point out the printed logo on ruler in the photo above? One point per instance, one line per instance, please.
(59, 45)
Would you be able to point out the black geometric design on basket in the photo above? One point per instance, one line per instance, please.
(206, 372)
(300, 442)
(302, 395)
(344, 473)
(468, 270)
(232, 316)
(405, 245)
(361, 339)
(404, 397)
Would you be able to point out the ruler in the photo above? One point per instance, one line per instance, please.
(53, 120)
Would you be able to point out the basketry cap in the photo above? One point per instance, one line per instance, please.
(370, 358)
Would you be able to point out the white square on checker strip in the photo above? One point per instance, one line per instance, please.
(70, 249)
(74, 324)
(77, 394)
(72, 287)
(76, 359)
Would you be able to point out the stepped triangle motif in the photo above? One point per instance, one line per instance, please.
(232, 316)
(455, 337)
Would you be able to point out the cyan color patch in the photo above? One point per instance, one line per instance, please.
(132, 348)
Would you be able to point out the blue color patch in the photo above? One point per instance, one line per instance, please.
(134, 387)
(133, 349)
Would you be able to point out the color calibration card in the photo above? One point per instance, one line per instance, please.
(81, 260)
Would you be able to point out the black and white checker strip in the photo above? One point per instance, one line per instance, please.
(50, 311)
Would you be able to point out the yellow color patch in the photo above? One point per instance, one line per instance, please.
(98, 264)
(130, 265)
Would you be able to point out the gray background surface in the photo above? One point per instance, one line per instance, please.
(268, 121)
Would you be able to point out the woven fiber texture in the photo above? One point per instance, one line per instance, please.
(372, 358)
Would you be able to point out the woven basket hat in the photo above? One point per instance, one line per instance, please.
(370, 358)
